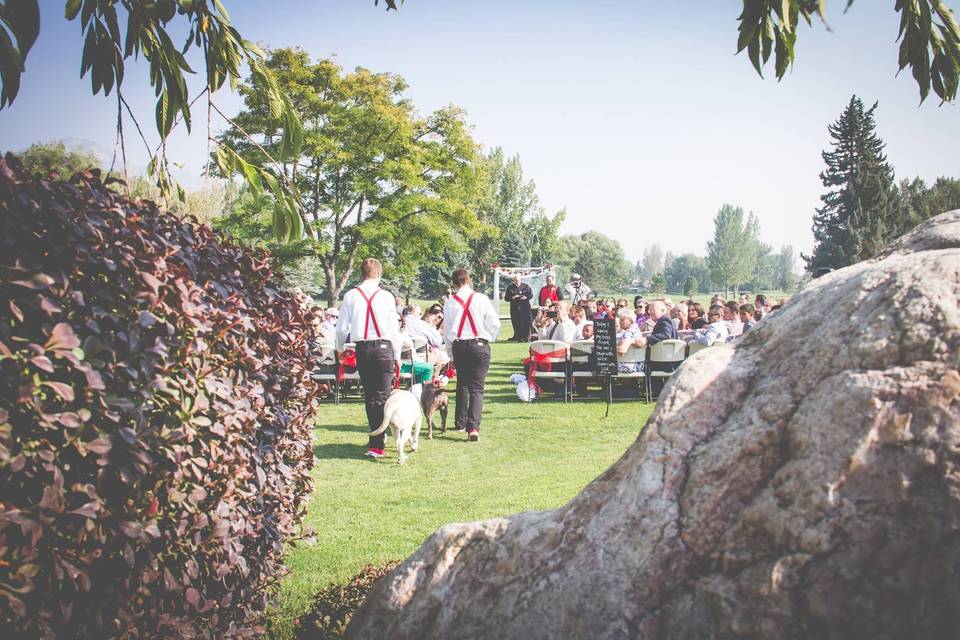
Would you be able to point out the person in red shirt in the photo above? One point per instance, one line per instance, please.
(549, 292)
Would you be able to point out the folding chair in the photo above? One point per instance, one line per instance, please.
(633, 356)
(580, 352)
(663, 359)
(326, 370)
(420, 349)
(553, 354)
(407, 356)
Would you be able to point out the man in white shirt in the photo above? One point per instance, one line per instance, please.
(471, 324)
(369, 316)
(715, 332)
(557, 325)
(578, 289)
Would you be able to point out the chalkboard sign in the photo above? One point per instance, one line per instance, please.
(605, 347)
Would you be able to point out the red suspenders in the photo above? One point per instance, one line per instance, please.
(466, 316)
(370, 315)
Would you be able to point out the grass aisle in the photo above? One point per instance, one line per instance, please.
(530, 457)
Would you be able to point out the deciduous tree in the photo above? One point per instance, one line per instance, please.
(732, 254)
(372, 173)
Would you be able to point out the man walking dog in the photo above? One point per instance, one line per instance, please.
(369, 316)
(471, 325)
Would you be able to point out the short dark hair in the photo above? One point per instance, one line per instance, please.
(369, 266)
(761, 299)
(746, 307)
(732, 305)
(716, 309)
(461, 277)
(410, 308)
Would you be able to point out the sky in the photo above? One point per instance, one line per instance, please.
(635, 116)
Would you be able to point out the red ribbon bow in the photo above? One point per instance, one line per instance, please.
(541, 362)
(348, 359)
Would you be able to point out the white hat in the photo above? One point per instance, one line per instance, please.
(575, 276)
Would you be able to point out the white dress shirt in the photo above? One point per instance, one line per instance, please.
(712, 333)
(485, 317)
(419, 328)
(562, 330)
(353, 315)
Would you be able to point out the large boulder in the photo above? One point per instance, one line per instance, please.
(802, 482)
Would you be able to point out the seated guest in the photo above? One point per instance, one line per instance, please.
(411, 310)
(761, 305)
(587, 332)
(731, 315)
(716, 331)
(589, 309)
(648, 320)
(747, 316)
(628, 336)
(663, 328)
(555, 323)
(328, 328)
(579, 321)
(679, 316)
(695, 316)
(622, 303)
(428, 328)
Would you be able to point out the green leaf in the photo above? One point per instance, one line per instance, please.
(72, 8)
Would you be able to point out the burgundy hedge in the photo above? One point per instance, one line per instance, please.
(155, 407)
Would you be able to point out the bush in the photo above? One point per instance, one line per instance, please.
(155, 406)
(334, 606)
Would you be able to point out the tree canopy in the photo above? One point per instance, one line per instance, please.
(732, 254)
(373, 176)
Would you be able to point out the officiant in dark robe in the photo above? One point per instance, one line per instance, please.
(519, 294)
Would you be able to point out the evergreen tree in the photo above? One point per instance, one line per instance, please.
(860, 209)
(515, 252)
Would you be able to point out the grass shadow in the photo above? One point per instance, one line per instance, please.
(342, 451)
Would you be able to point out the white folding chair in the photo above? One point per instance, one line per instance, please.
(420, 349)
(664, 358)
(554, 353)
(632, 356)
(580, 352)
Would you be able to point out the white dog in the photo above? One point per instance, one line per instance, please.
(402, 414)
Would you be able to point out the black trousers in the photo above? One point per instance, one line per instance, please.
(520, 319)
(375, 364)
(472, 359)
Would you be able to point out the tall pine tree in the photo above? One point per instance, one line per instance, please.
(860, 211)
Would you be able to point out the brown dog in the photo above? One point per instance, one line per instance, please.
(434, 399)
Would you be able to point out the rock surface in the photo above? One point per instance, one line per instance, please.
(801, 483)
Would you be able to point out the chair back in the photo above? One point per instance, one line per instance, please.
(420, 349)
(633, 354)
(668, 351)
(580, 351)
(542, 347)
(326, 353)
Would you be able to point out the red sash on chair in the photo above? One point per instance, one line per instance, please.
(370, 315)
(466, 315)
(541, 362)
(349, 359)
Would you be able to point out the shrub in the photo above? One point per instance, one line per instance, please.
(334, 606)
(155, 406)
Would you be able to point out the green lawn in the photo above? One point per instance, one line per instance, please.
(531, 457)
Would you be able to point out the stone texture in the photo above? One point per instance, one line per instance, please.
(802, 483)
